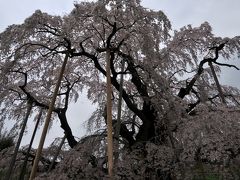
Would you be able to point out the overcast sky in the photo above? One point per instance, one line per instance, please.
(223, 15)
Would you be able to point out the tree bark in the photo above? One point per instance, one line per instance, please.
(65, 126)
(147, 129)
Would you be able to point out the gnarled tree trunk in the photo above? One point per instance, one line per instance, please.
(65, 126)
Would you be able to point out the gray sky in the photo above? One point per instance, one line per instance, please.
(223, 15)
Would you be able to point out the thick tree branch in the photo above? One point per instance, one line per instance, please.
(61, 112)
(185, 91)
(228, 65)
(136, 80)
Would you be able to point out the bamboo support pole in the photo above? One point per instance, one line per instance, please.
(47, 121)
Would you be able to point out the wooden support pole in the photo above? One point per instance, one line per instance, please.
(23, 170)
(109, 117)
(119, 111)
(120, 102)
(217, 83)
(12, 163)
(47, 121)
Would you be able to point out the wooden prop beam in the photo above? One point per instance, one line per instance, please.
(109, 117)
(47, 121)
